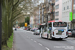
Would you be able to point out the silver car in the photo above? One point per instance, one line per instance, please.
(73, 33)
(70, 32)
(37, 32)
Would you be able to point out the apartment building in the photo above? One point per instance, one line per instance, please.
(34, 17)
(41, 11)
(49, 10)
(58, 9)
(31, 20)
(66, 9)
(37, 16)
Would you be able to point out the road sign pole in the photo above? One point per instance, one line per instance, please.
(0, 25)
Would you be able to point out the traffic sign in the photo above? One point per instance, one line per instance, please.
(25, 24)
(70, 18)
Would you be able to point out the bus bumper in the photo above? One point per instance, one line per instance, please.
(62, 37)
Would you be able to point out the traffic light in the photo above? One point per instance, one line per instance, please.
(25, 24)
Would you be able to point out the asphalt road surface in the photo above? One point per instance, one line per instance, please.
(25, 40)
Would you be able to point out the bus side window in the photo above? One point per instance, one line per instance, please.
(45, 28)
(50, 25)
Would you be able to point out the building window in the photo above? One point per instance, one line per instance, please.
(56, 0)
(45, 28)
(57, 6)
(74, 1)
(56, 13)
(67, 7)
(57, 19)
(64, 8)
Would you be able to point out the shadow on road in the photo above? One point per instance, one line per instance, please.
(53, 39)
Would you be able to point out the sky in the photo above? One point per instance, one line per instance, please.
(41, 1)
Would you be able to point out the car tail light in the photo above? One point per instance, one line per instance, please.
(69, 33)
(53, 33)
(66, 33)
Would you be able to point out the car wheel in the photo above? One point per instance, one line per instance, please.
(41, 36)
(34, 33)
(48, 36)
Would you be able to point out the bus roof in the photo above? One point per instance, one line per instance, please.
(55, 21)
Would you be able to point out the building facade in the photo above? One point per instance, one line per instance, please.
(73, 14)
(34, 17)
(66, 9)
(31, 20)
(58, 9)
(41, 11)
(51, 10)
(48, 10)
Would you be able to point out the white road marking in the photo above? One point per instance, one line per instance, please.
(40, 44)
(35, 41)
(47, 48)
(31, 39)
(71, 41)
(27, 36)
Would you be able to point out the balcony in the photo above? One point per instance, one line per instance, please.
(51, 3)
(51, 12)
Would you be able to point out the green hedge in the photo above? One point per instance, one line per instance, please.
(9, 44)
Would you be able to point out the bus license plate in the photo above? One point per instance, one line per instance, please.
(59, 33)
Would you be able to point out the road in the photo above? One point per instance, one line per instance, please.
(25, 40)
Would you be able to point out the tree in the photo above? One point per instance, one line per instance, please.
(10, 12)
(27, 20)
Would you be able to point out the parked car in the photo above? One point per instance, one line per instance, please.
(73, 32)
(37, 32)
(15, 29)
(69, 32)
(28, 29)
(25, 28)
(33, 29)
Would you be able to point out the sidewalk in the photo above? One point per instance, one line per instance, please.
(14, 46)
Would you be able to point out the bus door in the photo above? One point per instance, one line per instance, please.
(49, 29)
(45, 31)
(42, 29)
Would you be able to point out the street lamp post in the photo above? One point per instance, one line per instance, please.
(0, 25)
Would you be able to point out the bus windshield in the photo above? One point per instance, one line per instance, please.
(59, 24)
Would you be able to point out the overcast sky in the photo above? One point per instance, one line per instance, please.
(41, 1)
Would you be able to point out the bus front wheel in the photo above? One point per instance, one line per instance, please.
(48, 36)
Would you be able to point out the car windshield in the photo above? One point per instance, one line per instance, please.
(59, 24)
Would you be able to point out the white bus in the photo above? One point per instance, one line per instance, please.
(54, 29)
